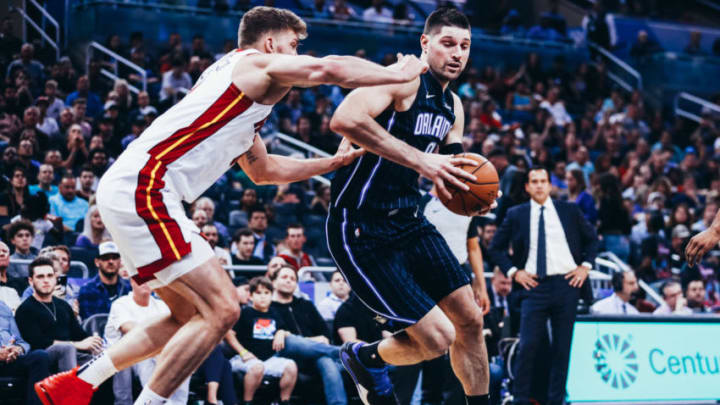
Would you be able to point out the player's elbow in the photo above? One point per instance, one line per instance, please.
(340, 122)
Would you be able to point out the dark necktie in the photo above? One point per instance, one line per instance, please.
(541, 258)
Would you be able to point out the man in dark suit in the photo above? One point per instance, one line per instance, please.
(553, 250)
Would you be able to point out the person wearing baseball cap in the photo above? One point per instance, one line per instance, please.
(99, 293)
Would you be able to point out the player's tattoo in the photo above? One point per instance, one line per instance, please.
(250, 157)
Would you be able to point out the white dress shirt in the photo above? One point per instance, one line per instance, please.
(613, 305)
(557, 251)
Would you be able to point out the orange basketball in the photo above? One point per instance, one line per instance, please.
(483, 190)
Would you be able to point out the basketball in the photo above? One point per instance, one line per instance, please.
(483, 190)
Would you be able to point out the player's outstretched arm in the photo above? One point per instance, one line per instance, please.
(344, 71)
(355, 119)
(265, 168)
(703, 242)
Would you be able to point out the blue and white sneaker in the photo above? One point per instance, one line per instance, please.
(373, 384)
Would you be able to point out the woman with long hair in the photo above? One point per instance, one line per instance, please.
(15, 193)
(578, 194)
(614, 224)
(94, 230)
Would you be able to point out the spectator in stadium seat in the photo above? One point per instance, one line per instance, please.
(211, 234)
(49, 323)
(498, 157)
(86, 183)
(98, 161)
(36, 210)
(321, 202)
(10, 288)
(46, 123)
(339, 293)
(206, 204)
(15, 194)
(245, 244)
(320, 10)
(199, 218)
(94, 231)
(16, 359)
(613, 218)
(578, 194)
(54, 105)
(294, 255)
(27, 63)
(694, 47)
(695, 296)
(92, 100)
(125, 313)
(248, 200)
(377, 12)
(67, 205)
(99, 293)
(618, 303)
(27, 148)
(310, 339)
(173, 80)
(711, 208)
(263, 333)
(258, 224)
(643, 46)
(45, 178)
(20, 234)
(674, 301)
(341, 11)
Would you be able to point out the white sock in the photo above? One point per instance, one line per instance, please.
(147, 397)
(97, 370)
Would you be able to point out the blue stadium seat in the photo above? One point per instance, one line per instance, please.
(86, 256)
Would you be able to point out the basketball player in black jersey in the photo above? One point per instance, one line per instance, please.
(393, 258)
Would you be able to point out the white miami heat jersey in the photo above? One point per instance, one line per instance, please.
(199, 138)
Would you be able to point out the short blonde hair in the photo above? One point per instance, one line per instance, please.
(261, 20)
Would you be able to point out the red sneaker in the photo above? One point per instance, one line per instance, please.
(64, 389)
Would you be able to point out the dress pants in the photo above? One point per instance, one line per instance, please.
(554, 300)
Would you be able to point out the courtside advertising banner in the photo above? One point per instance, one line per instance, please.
(644, 359)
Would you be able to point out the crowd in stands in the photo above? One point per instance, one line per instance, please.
(648, 180)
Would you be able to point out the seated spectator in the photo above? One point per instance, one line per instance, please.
(294, 241)
(339, 293)
(258, 224)
(321, 202)
(556, 107)
(15, 194)
(320, 10)
(54, 104)
(94, 231)
(125, 314)
(16, 359)
(45, 178)
(98, 294)
(245, 244)
(67, 205)
(644, 46)
(694, 47)
(512, 25)
(20, 234)
(711, 208)
(136, 128)
(199, 218)
(27, 63)
(614, 220)
(173, 80)
(92, 100)
(47, 124)
(302, 319)
(624, 287)
(674, 302)
(218, 375)
(377, 12)
(27, 149)
(207, 205)
(578, 194)
(47, 322)
(695, 296)
(262, 331)
(341, 11)
(678, 237)
(10, 288)
(86, 183)
(211, 234)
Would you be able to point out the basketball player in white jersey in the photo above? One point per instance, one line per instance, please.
(177, 158)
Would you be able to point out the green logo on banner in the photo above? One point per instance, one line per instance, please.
(615, 361)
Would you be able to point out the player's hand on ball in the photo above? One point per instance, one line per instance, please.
(700, 244)
(410, 66)
(493, 205)
(347, 153)
(443, 171)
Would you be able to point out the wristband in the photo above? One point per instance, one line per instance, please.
(451, 149)
(243, 352)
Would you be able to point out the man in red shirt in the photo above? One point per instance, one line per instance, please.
(294, 255)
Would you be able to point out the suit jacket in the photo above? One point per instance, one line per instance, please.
(515, 232)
